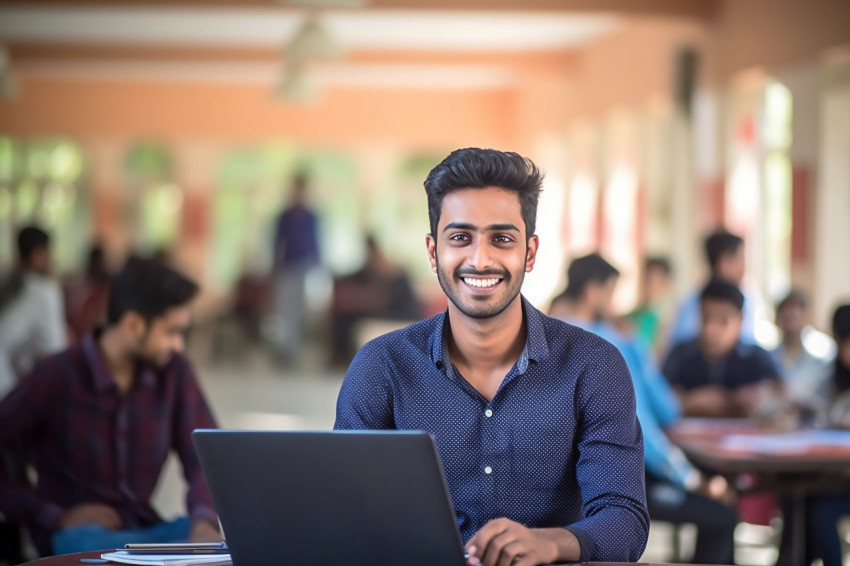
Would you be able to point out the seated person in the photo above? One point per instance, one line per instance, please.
(100, 418)
(655, 293)
(380, 289)
(724, 254)
(534, 419)
(804, 374)
(717, 375)
(671, 481)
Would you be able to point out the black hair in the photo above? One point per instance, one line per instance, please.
(31, 239)
(794, 298)
(149, 288)
(586, 270)
(841, 323)
(477, 168)
(657, 262)
(720, 244)
(719, 290)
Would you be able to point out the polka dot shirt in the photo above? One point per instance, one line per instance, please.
(558, 445)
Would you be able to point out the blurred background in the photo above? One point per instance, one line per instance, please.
(176, 128)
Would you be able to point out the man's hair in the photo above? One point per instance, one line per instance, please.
(719, 290)
(841, 323)
(720, 244)
(657, 262)
(586, 270)
(31, 239)
(794, 298)
(480, 168)
(149, 288)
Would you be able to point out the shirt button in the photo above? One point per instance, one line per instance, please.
(488, 413)
(488, 470)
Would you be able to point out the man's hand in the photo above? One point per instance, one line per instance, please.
(707, 401)
(204, 531)
(92, 514)
(503, 542)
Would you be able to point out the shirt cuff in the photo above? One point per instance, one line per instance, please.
(204, 513)
(50, 517)
(585, 543)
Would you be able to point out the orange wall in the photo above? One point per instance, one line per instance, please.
(235, 113)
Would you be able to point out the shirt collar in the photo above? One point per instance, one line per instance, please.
(536, 347)
(101, 376)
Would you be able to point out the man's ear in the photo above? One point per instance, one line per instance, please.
(531, 253)
(133, 325)
(431, 246)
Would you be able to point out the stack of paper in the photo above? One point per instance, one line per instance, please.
(125, 557)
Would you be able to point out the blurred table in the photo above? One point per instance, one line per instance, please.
(794, 464)
(74, 560)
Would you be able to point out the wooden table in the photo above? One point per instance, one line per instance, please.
(732, 448)
(74, 560)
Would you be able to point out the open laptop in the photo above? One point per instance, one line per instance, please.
(320, 498)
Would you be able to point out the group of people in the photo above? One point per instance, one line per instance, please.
(550, 427)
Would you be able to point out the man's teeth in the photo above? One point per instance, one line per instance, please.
(480, 283)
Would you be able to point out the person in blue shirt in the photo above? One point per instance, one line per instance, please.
(717, 374)
(671, 481)
(724, 253)
(534, 419)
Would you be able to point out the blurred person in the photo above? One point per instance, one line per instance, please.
(655, 295)
(672, 483)
(804, 374)
(380, 289)
(825, 511)
(724, 253)
(717, 374)
(100, 418)
(296, 253)
(32, 315)
(534, 419)
(86, 298)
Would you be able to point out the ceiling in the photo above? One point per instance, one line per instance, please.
(265, 27)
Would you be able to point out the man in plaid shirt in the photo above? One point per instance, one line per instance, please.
(98, 420)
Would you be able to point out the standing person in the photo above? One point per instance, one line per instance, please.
(87, 296)
(534, 418)
(672, 483)
(296, 252)
(805, 375)
(32, 315)
(100, 418)
(724, 253)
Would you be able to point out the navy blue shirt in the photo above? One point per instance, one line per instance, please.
(686, 367)
(559, 444)
(297, 231)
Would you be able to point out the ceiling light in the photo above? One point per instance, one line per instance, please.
(311, 42)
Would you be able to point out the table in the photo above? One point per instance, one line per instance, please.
(796, 464)
(74, 560)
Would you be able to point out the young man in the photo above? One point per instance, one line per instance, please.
(655, 295)
(724, 253)
(534, 419)
(716, 374)
(32, 315)
(671, 481)
(99, 419)
(804, 374)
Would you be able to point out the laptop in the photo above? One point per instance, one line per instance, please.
(318, 498)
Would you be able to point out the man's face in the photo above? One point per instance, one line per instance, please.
(39, 260)
(164, 336)
(732, 266)
(720, 327)
(480, 252)
(656, 284)
(791, 319)
(600, 297)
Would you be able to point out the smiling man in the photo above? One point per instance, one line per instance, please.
(534, 419)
